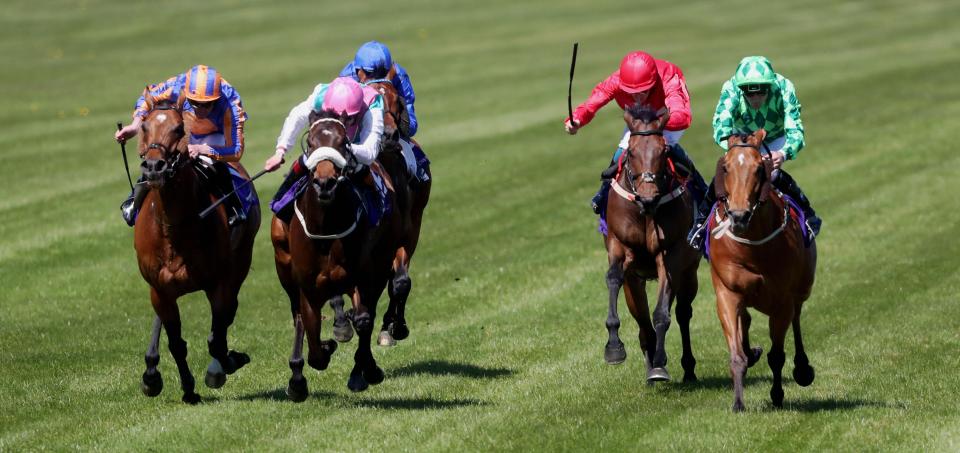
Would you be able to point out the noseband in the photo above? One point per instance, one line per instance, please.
(645, 177)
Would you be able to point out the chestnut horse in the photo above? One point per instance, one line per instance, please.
(329, 249)
(180, 253)
(411, 201)
(758, 260)
(647, 223)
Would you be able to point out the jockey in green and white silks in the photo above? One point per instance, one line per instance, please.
(756, 97)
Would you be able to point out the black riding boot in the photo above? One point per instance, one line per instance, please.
(131, 206)
(224, 185)
(699, 230)
(786, 184)
(686, 168)
(599, 201)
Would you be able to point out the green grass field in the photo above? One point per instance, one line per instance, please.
(509, 301)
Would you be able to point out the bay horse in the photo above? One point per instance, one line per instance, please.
(758, 259)
(412, 199)
(647, 222)
(179, 253)
(329, 249)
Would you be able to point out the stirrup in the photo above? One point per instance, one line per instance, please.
(697, 235)
(127, 211)
(813, 226)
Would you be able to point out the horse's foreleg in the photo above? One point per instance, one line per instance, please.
(365, 370)
(775, 358)
(152, 383)
(297, 386)
(729, 308)
(803, 373)
(341, 322)
(634, 289)
(686, 291)
(223, 307)
(394, 326)
(753, 354)
(169, 314)
(661, 323)
(320, 350)
(614, 352)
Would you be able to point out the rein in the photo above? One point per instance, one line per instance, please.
(325, 237)
(723, 227)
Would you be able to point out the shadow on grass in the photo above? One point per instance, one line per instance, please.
(719, 383)
(416, 403)
(444, 368)
(829, 404)
(280, 394)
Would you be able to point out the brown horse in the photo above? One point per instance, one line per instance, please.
(329, 249)
(647, 222)
(412, 199)
(180, 253)
(758, 260)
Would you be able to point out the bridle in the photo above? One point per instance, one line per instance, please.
(334, 156)
(630, 193)
(723, 225)
(178, 160)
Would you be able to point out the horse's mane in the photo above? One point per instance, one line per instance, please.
(742, 135)
(642, 112)
(315, 115)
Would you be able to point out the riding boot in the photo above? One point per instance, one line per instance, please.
(699, 230)
(599, 201)
(224, 185)
(786, 184)
(685, 166)
(131, 206)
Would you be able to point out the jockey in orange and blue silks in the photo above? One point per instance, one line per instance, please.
(641, 79)
(212, 110)
(359, 108)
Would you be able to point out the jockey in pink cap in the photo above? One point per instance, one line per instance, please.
(359, 108)
(641, 79)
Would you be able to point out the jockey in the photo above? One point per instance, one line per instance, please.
(214, 115)
(374, 63)
(641, 79)
(757, 97)
(359, 108)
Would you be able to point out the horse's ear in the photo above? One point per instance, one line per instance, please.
(663, 117)
(392, 73)
(760, 135)
(719, 183)
(628, 117)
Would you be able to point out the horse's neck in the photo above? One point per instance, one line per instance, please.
(179, 203)
(333, 218)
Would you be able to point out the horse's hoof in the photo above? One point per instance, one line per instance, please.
(738, 406)
(297, 389)
(753, 356)
(658, 374)
(614, 354)
(399, 331)
(373, 375)
(776, 395)
(357, 383)
(190, 398)
(689, 378)
(385, 339)
(236, 361)
(343, 333)
(803, 376)
(151, 384)
(216, 377)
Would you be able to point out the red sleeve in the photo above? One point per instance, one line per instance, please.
(600, 96)
(676, 97)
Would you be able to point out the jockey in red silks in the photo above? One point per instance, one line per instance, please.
(214, 112)
(641, 79)
(359, 108)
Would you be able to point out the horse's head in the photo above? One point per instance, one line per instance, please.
(162, 144)
(329, 155)
(743, 178)
(645, 164)
(394, 113)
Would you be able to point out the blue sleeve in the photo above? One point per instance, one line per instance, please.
(349, 71)
(233, 121)
(402, 82)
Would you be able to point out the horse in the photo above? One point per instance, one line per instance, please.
(179, 253)
(411, 200)
(758, 259)
(647, 223)
(329, 249)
